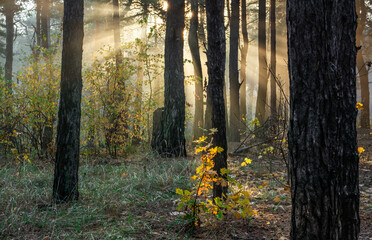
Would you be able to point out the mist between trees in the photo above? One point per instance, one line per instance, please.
(114, 78)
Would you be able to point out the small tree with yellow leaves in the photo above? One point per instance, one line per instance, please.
(199, 203)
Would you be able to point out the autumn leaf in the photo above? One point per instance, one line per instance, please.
(277, 199)
(201, 140)
(213, 131)
(361, 150)
(248, 161)
(359, 106)
(213, 151)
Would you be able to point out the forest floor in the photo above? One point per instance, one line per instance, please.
(134, 198)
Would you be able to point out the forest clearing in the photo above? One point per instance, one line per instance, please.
(185, 119)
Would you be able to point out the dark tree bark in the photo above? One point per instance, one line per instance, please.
(273, 59)
(171, 143)
(322, 133)
(195, 54)
(361, 66)
(202, 35)
(9, 9)
(262, 75)
(234, 73)
(243, 68)
(65, 187)
(216, 70)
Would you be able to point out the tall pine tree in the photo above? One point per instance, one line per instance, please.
(322, 133)
(65, 187)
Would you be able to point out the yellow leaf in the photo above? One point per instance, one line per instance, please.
(359, 106)
(219, 149)
(361, 150)
(201, 140)
(213, 150)
(213, 131)
(277, 199)
(248, 161)
(243, 164)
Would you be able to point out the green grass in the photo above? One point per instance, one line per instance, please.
(111, 206)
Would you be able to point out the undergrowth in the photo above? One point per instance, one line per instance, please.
(117, 201)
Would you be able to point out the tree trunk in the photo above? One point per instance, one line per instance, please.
(216, 70)
(262, 65)
(38, 25)
(198, 75)
(234, 73)
(322, 132)
(140, 73)
(202, 36)
(243, 69)
(171, 143)
(116, 28)
(47, 138)
(273, 60)
(9, 9)
(45, 42)
(65, 187)
(361, 66)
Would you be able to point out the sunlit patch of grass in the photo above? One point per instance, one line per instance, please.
(128, 200)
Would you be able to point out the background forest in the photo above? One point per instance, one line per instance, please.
(181, 130)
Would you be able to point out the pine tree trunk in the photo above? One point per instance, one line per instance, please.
(9, 8)
(202, 36)
(171, 143)
(38, 24)
(45, 41)
(273, 60)
(234, 73)
(47, 138)
(322, 133)
(243, 69)
(262, 64)
(198, 75)
(65, 187)
(361, 66)
(140, 75)
(216, 70)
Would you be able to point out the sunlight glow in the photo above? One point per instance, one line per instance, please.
(165, 6)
